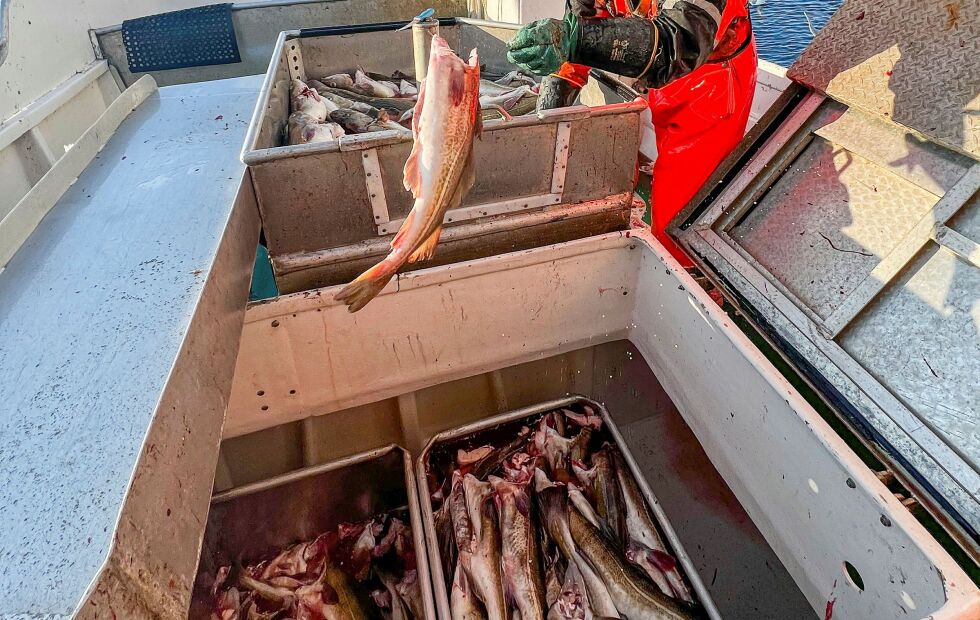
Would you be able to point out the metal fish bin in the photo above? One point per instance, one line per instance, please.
(330, 209)
(501, 428)
(779, 515)
(258, 520)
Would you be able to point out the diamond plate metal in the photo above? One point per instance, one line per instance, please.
(828, 221)
(911, 61)
(921, 339)
(967, 221)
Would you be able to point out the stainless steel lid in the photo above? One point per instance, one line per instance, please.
(852, 241)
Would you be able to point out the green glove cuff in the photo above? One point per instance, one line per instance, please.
(542, 46)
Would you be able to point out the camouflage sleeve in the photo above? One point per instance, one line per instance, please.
(686, 31)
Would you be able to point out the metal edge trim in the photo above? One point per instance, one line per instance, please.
(306, 472)
(418, 535)
(378, 247)
(435, 276)
(467, 429)
(265, 91)
(236, 6)
(362, 28)
(253, 156)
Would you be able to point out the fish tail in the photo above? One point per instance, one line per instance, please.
(366, 287)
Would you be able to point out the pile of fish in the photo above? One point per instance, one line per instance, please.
(358, 571)
(341, 104)
(547, 521)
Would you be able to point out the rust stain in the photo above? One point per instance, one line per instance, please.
(952, 15)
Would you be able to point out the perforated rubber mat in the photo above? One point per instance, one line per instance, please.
(189, 38)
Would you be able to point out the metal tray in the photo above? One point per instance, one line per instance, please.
(331, 208)
(254, 520)
(472, 430)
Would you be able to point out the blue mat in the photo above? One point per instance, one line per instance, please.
(189, 38)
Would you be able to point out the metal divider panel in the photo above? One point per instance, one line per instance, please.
(909, 61)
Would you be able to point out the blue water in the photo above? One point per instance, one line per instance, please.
(781, 28)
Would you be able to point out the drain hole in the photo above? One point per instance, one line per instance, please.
(853, 576)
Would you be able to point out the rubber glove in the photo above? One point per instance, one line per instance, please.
(541, 47)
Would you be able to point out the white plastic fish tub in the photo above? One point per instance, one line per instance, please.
(476, 434)
(330, 209)
(306, 363)
(258, 520)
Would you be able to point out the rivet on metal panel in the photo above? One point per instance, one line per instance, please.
(375, 187)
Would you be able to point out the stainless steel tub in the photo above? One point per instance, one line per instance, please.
(516, 419)
(258, 520)
(330, 209)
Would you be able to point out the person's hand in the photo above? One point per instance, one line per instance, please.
(584, 8)
(542, 46)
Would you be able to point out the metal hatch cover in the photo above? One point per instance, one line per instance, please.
(854, 243)
(909, 61)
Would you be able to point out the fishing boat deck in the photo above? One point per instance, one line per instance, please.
(145, 259)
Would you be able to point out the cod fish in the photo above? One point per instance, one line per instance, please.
(401, 607)
(373, 88)
(632, 594)
(447, 541)
(303, 129)
(305, 99)
(355, 122)
(399, 105)
(523, 583)
(339, 80)
(482, 562)
(607, 493)
(553, 506)
(643, 533)
(343, 102)
(573, 600)
(462, 601)
(439, 170)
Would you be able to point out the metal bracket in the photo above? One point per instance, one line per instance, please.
(561, 158)
(294, 60)
(376, 189)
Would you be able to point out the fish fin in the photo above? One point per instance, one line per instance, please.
(412, 177)
(406, 225)
(366, 287)
(428, 248)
